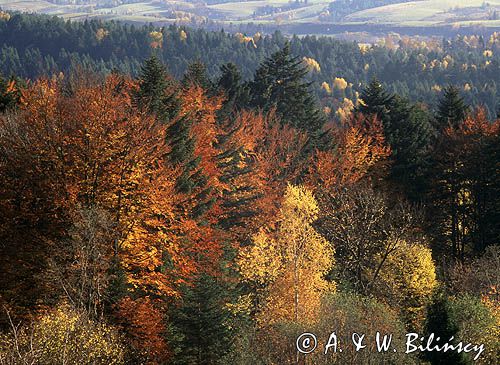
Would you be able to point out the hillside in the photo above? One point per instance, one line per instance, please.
(300, 16)
(34, 45)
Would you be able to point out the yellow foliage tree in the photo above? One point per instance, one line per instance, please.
(62, 336)
(325, 86)
(101, 33)
(408, 278)
(339, 83)
(156, 39)
(292, 263)
(311, 64)
(182, 35)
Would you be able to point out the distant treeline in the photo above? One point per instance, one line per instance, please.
(34, 45)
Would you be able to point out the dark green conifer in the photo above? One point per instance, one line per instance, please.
(199, 331)
(280, 83)
(153, 83)
(440, 323)
(375, 100)
(408, 131)
(196, 74)
(452, 109)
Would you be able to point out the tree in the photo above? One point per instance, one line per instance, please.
(235, 92)
(291, 263)
(409, 133)
(199, 329)
(62, 335)
(9, 94)
(408, 280)
(366, 232)
(452, 109)
(196, 75)
(359, 152)
(143, 323)
(441, 324)
(153, 84)
(375, 100)
(279, 83)
(463, 192)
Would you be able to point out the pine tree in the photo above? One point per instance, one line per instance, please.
(452, 109)
(279, 83)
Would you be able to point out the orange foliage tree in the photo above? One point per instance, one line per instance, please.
(360, 150)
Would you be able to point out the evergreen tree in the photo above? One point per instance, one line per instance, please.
(196, 74)
(182, 153)
(9, 94)
(452, 109)
(235, 92)
(279, 83)
(440, 323)
(375, 100)
(200, 334)
(408, 131)
(153, 83)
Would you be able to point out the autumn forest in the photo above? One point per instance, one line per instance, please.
(194, 217)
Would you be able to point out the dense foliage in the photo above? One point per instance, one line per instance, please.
(40, 45)
(211, 220)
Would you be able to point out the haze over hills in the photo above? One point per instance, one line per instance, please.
(298, 16)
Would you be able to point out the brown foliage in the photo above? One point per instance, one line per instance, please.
(360, 152)
(143, 323)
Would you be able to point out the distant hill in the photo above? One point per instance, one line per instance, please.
(297, 16)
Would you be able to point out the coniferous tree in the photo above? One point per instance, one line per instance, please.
(153, 83)
(196, 74)
(9, 94)
(452, 109)
(279, 83)
(235, 92)
(408, 131)
(182, 153)
(440, 323)
(375, 100)
(200, 334)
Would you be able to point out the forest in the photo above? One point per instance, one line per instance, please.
(155, 211)
(38, 45)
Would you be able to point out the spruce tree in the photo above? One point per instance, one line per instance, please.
(452, 109)
(9, 94)
(375, 100)
(280, 83)
(153, 83)
(408, 130)
(199, 330)
(440, 323)
(196, 74)
(235, 92)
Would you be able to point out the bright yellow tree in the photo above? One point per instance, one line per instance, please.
(291, 263)
(408, 279)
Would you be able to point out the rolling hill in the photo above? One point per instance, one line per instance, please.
(321, 16)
